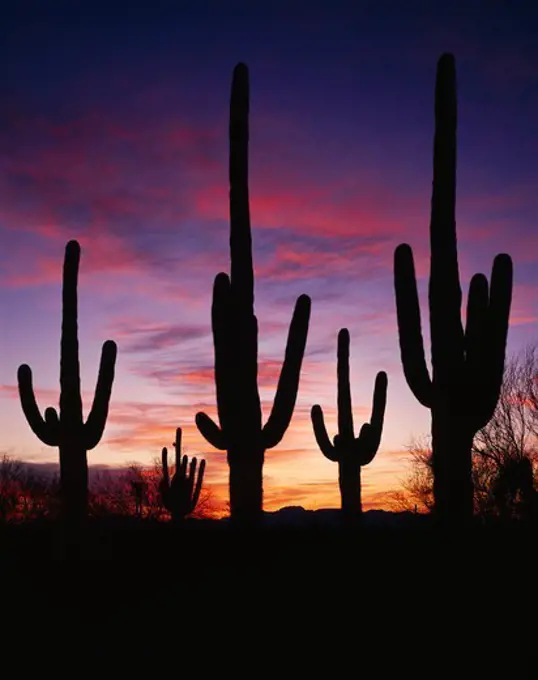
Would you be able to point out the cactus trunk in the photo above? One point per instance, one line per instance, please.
(246, 487)
(452, 465)
(349, 479)
(73, 486)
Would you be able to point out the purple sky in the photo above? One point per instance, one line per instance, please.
(113, 131)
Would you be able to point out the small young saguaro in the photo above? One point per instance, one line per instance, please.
(350, 452)
(235, 336)
(467, 363)
(68, 431)
(180, 496)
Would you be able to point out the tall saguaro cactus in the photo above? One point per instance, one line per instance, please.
(68, 431)
(235, 334)
(467, 363)
(351, 452)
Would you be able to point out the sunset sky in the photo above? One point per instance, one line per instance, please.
(113, 131)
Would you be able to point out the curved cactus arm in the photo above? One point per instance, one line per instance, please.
(409, 326)
(222, 324)
(288, 383)
(379, 402)
(367, 443)
(190, 483)
(210, 431)
(181, 471)
(44, 429)
(199, 483)
(52, 419)
(493, 347)
(475, 324)
(177, 446)
(500, 301)
(320, 432)
(476, 341)
(95, 424)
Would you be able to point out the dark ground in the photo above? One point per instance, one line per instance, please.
(291, 536)
(301, 592)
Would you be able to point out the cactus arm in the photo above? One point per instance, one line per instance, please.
(181, 471)
(288, 383)
(345, 413)
(475, 323)
(380, 400)
(42, 428)
(493, 346)
(369, 437)
(199, 482)
(95, 424)
(222, 323)
(210, 431)
(52, 420)
(475, 342)
(320, 432)
(177, 447)
(500, 300)
(190, 483)
(409, 326)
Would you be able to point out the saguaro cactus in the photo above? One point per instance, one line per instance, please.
(351, 452)
(235, 334)
(180, 496)
(467, 364)
(68, 431)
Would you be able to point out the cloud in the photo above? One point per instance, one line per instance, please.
(159, 337)
(101, 253)
(132, 191)
(524, 304)
(147, 197)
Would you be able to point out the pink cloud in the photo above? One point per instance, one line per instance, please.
(111, 184)
(524, 304)
(161, 172)
(202, 378)
(102, 253)
(306, 209)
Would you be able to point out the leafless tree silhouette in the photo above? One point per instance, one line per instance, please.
(505, 452)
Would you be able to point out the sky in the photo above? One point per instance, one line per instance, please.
(113, 131)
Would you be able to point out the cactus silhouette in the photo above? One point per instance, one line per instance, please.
(181, 495)
(467, 364)
(350, 452)
(68, 431)
(235, 334)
